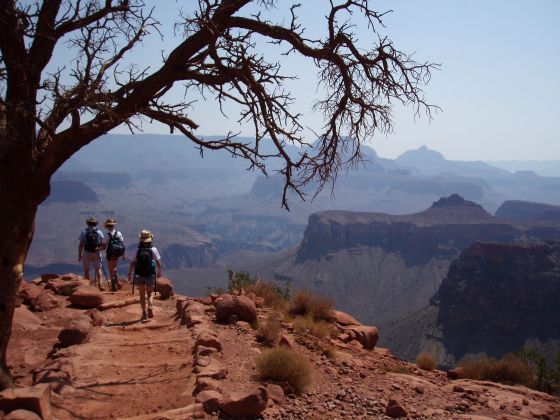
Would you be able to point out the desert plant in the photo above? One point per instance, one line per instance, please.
(239, 280)
(308, 324)
(510, 369)
(305, 303)
(426, 361)
(274, 296)
(283, 364)
(547, 377)
(269, 331)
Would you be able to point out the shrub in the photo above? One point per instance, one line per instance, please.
(547, 377)
(426, 361)
(239, 280)
(305, 303)
(272, 294)
(269, 331)
(509, 370)
(308, 324)
(282, 364)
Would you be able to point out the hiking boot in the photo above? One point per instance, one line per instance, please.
(150, 313)
(144, 316)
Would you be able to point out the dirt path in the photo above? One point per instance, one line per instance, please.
(119, 373)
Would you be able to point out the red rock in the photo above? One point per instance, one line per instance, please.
(86, 297)
(36, 297)
(36, 399)
(210, 400)
(204, 300)
(164, 287)
(343, 318)
(59, 370)
(97, 318)
(64, 287)
(207, 339)
(246, 404)
(25, 320)
(78, 331)
(205, 383)
(394, 409)
(215, 370)
(366, 335)
(275, 392)
(22, 415)
(241, 306)
(286, 340)
(50, 276)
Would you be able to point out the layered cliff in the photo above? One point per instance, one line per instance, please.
(495, 299)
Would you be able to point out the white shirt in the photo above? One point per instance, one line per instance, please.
(110, 233)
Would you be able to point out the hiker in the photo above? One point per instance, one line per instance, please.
(114, 249)
(91, 239)
(144, 264)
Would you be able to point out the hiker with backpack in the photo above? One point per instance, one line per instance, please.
(146, 264)
(114, 249)
(91, 239)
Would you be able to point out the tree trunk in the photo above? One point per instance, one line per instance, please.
(17, 217)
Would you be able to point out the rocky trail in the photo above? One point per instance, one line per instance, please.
(184, 364)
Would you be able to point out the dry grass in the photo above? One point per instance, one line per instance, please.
(305, 304)
(509, 370)
(404, 370)
(269, 331)
(426, 361)
(283, 364)
(271, 293)
(309, 325)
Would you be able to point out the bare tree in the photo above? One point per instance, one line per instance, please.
(47, 114)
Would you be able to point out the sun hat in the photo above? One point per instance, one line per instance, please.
(145, 236)
(110, 222)
(91, 221)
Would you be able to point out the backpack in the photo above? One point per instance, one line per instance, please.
(92, 241)
(115, 246)
(145, 265)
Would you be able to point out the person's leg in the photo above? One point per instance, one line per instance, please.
(96, 260)
(149, 289)
(142, 291)
(112, 268)
(85, 265)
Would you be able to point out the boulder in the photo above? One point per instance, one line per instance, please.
(64, 287)
(343, 318)
(46, 277)
(366, 335)
(241, 306)
(36, 399)
(246, 404)
(164, 287)
(210, 400)
(204, 383)
(207, 338)
(86, 297)
(275, 392)
(59, 370)
(78, 331)
(214, 369)
(22, 415)
(36, 297)
(394, 409)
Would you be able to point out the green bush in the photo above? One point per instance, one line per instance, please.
(510, 369)
(426, 361)
(239, 280)
(283, 364)
(547, 377)
(305, 303)
(273, 295)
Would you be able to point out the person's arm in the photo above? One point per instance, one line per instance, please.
(158, 262)
(157, 257)
(104, 242)
(80, 250)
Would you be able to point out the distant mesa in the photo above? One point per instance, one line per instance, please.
(526, 211)
(422, 154)
(71, 192)
(495, 299)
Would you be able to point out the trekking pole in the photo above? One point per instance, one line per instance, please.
(104, 273)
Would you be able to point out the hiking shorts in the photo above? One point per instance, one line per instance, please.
(148, 280)
(91, 257)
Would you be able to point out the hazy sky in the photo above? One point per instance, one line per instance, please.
(498, 85)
